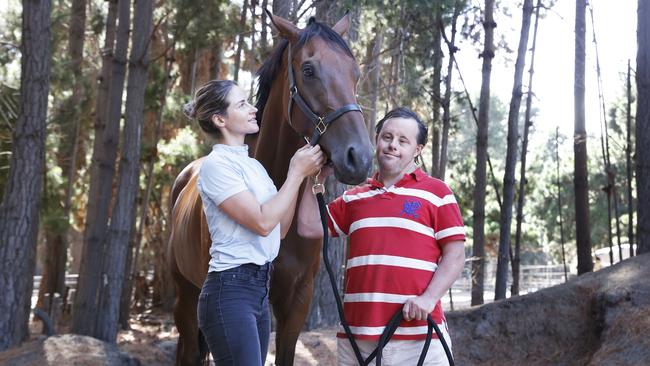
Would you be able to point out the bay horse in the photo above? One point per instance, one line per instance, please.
(326, 75)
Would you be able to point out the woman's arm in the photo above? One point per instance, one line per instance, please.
(309, 220)
(263, 218)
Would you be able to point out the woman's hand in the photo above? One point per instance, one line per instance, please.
(307, 161)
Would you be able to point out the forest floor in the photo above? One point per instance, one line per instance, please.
(600, 318)
(151, 341)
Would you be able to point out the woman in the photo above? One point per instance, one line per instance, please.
(246, 216)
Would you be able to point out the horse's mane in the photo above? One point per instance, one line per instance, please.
(271, 66)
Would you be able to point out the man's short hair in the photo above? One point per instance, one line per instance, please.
(402, 112)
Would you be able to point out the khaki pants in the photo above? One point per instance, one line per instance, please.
(395, 353)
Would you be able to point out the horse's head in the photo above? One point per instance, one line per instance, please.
(321, 103)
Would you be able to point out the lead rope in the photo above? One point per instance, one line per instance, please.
(319, 189)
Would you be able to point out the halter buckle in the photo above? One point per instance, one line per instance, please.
(317, 187)
(293, 91)
(321, 127)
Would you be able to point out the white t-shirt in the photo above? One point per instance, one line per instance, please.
(226, 171)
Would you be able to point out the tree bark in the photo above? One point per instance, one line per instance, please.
(86, 303)
(480, 175)
(253, 63)
(264, 41)
(446, 103)
(240, 39)
(628, 165)
(583, 241)
(150, 159)
(282, 8)
(559, 200)
(123, 215)
(372, 73)
(511, 156)
(436, 78)
(643, 127)
(21, 200)
(522, 168)
(53, 277)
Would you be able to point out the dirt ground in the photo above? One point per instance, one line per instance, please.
(317, 347)
(602, 318)
(151, 341)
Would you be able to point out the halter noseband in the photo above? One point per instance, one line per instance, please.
(320, 123)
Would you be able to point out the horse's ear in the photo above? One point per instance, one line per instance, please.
(342, 26)
(286, 29)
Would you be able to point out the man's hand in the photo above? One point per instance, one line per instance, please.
(449, 268)
(418, 308)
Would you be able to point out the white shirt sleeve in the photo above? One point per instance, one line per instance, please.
(220, 179)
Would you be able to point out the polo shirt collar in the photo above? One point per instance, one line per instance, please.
(416, 175)
(234, 149)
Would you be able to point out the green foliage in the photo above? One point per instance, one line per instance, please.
(204, 23)
(189, 26)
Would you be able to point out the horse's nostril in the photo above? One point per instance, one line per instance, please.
(351, 158)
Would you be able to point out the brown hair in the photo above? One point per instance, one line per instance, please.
(210, 99)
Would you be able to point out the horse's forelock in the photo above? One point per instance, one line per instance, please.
(271, 66)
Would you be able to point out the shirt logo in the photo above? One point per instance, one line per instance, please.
(410, 209)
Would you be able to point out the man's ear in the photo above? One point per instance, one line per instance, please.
(285, 28)
(342, 26)
(418, 151)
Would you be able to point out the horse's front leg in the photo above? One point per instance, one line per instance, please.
(291, 296)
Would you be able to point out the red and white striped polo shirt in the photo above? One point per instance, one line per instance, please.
(396, 238)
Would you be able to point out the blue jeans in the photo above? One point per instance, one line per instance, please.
(233, 314)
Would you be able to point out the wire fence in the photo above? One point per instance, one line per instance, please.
(532, 278)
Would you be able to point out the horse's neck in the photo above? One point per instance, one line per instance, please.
(277, 141)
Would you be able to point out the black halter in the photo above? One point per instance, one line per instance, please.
(320, 123)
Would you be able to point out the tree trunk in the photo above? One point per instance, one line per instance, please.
(522, 168)
(372, 73)
(446, 103)
(643, 127)
(163, 285)
(628, 165)
(583, 240)
(559, 200)
(123, 214)
(253, 63)
(511, 157)
(22, 195)
(480, 176)
(240, 39)
(151, 159)
(86, 303)
(282, 8)
(216, 62)
(395, 61)
(436, 38)
(53, 277)
(604, 142)
(264, 41)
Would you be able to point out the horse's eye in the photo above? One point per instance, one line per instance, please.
(308, 71)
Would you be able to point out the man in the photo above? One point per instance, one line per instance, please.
(406, 247)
